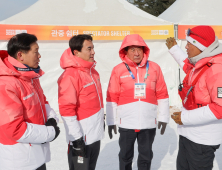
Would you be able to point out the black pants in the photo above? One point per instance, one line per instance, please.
(92, 153)
(193, 156)
(43, 167)
(145, 140)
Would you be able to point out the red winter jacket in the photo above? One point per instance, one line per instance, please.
(125, 111)
(203, 125)
(80, 99)
(24, 111)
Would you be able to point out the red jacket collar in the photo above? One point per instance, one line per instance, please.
(69, 60)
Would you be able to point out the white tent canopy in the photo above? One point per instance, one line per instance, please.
(92, 13)
(194, 12)
(83, 13)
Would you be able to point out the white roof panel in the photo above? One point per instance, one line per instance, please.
(194, 12)
(84, 13)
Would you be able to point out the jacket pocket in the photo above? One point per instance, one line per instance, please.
(153, 85)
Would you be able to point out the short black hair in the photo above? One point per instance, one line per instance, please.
(76, 42)
(20, 42)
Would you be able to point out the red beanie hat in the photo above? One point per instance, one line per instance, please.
(201, 36)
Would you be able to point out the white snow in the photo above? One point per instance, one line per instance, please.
(165, 148)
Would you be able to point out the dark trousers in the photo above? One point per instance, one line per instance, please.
(43, 167)
(92, 153)
(145, 140)
(193, 156)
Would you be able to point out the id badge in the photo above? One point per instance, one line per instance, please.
(140, 91)
(80, 160)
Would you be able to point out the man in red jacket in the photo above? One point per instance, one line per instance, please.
(27, 122)
(199, 122)
(136, 88)
(81, 103)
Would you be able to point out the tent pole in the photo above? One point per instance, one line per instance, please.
(176, 31)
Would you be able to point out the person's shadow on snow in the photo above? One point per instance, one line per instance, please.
(108, 157)
(163, 145)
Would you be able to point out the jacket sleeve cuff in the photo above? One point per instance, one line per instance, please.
(37, 134)
(164, 110)
(111, 109)
(51, 132)
(72, 126)
(51, 113)
(178, 55)
(199, 116)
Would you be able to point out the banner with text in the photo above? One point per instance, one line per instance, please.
(182, 30)
(98, 32)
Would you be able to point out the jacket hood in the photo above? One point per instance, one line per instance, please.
(130, 40)
(69, 60)
(7, 64)
(214, 49)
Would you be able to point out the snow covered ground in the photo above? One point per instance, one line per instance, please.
(165, 150)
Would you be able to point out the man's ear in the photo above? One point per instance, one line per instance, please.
(19, 56)
(126, 50)
(75, 52)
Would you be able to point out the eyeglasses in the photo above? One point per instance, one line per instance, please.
(189, 32)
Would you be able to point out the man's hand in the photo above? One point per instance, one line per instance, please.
(170, 42)
(79, 147)
(177, 118)
(163, 124)
(52, 122)
(110, 128)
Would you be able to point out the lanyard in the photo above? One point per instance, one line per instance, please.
(146, 75)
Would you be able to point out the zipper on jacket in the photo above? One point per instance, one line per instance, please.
(96, 87)
(137, 72)
(39, 103)
(138, 80)
(190, 76)
(139, 99)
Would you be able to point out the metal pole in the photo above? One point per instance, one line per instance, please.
(176, 31)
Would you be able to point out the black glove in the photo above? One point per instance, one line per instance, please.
(110, 128)
(52, 122)
(79, 147)
(163, 124)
